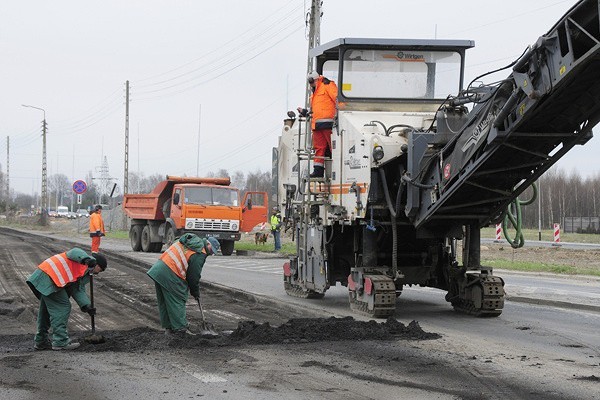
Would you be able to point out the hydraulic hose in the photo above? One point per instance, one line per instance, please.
(386, 192)
(417, 184)
(514, 216)
(393, 212)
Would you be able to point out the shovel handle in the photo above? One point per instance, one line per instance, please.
(92, 301)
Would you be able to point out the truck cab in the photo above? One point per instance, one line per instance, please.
(207, 207)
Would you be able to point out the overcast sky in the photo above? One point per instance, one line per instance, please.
(224, 70)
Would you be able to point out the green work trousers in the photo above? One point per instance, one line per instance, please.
(171, 309)
(54, 313)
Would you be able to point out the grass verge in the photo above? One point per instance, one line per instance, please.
(286, 248)
(540, 267)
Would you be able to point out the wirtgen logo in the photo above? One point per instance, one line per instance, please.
(409, 56)
(479, 131)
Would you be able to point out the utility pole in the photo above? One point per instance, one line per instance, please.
(7, 168)
(126, 177)
(72, 178)
(44, 219)
(314, 38)
(44, 200)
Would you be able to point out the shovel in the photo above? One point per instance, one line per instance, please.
(93, 338)
(207, 329)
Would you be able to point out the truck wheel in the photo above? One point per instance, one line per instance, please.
(227, 247)
(135, 236)
(170, 236)
(146, 243)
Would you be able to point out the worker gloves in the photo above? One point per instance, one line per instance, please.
(89, 309)
(99, 234)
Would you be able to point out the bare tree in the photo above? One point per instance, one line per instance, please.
(59, 189)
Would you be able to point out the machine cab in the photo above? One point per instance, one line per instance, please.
(380, 74)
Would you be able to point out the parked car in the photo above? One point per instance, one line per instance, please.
(62, 211)
(72, 215)
(82, 212)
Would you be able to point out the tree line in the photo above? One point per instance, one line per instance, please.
(60, 190)
(561, 194)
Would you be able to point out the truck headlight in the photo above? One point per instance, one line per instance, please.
(234, 227)
(189, 224)
(378, 153)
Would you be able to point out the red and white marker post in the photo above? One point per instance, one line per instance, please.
(556, 235)
(498, 233)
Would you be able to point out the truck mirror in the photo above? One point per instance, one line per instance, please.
(249, 204)
(176, 198)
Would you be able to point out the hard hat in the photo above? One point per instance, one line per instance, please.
(214, 243)
(312, 76)
(275, 208)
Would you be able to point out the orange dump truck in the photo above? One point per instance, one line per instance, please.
(204, 206)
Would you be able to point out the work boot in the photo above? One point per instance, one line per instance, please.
(182, 333)
(47, 345)
(318, 172)
(69, 346)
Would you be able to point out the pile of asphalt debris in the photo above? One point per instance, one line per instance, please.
(299, 330)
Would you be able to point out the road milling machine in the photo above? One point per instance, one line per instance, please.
(413, 170)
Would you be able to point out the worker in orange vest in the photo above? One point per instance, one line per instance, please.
(176, 273)
(96, 228)
(323, 108)
(56, 280)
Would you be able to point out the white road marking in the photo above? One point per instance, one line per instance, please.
(270, 270)
(202, 376)
(226, 314)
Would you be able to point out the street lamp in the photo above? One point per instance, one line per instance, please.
(44, 169)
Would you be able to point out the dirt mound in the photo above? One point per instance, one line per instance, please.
(331, 329)
(301, 330)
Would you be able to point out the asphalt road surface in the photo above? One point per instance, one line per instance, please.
(529, 352)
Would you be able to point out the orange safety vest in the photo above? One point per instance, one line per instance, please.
(322, 101)
(96, 223)
(63, 270)
(176, 257)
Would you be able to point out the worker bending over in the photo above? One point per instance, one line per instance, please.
(176, 272)
(96, 228)
(57, 279)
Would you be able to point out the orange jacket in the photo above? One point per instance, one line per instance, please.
(323, 100)
(96, 223)
(63, 270)
(176, 257)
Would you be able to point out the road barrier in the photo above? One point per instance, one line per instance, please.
(498, 233)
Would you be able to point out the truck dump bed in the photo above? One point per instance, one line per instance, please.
(150, 206)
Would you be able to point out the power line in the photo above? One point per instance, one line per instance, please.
(217, 76)
(219, 48)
